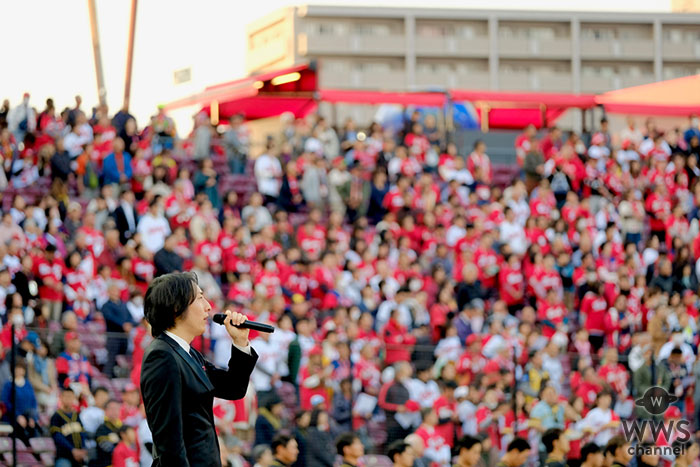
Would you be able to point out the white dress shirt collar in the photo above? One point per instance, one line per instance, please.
(180, 341)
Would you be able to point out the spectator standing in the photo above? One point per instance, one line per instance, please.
(116, 168)
(202, 137)
(320, 440)
(394, 399)
(268, 172)
(126, 217)
(153, 226)
(119, 322)
(235, 143)
(206, 181)
(22, 119)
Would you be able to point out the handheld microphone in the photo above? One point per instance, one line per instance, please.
(220, 318)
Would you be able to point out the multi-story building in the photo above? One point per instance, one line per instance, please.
(420, 48)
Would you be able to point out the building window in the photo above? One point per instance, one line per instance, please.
(372, 29)
(431, 30)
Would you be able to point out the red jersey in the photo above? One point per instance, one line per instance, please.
(446, 410)
(50, 273)
(616, 376)
(660, 208)
(511, 283)
(125, 456)
(594, 308)
(211, 251)
(399, 343)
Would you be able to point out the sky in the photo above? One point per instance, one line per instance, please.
(53, 53)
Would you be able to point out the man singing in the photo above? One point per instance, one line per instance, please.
(178, 385)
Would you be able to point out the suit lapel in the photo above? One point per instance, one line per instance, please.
(198, 370)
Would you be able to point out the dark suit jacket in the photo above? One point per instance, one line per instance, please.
(178, 395)
(123, 225)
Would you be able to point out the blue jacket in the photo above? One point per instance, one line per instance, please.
(111, 173)
(24, 398)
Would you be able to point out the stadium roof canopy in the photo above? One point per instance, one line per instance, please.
(675, 97)
(296, 90)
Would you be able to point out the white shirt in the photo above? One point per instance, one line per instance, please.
(92, 418)
(268, 364)
(153, 231)
(597, 419)
(514, 235)
(129, 214)
(267, 170)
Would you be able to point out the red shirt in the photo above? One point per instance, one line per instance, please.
(616, 376)
(399, 343)
(50, 272)
(211, 251)
(311, 242)
(446, 410)
(554, 315)
(393, 200)
(594, 309)
(488, 264)
(417, 145)
(511, 284)
(659, 207)
(125, 456)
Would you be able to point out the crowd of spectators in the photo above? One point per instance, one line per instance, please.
(418, 304)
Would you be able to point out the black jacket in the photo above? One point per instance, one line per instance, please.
(178, 394)
(125, 233)
(320, 449)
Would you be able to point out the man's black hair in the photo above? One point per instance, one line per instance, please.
(396, 448)
(98, 389)
(167, 298)
(279, 440)
(343, 441)
(615, 443)
(518, 444)
(466, 442)
(588, 449)
(549, 437)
